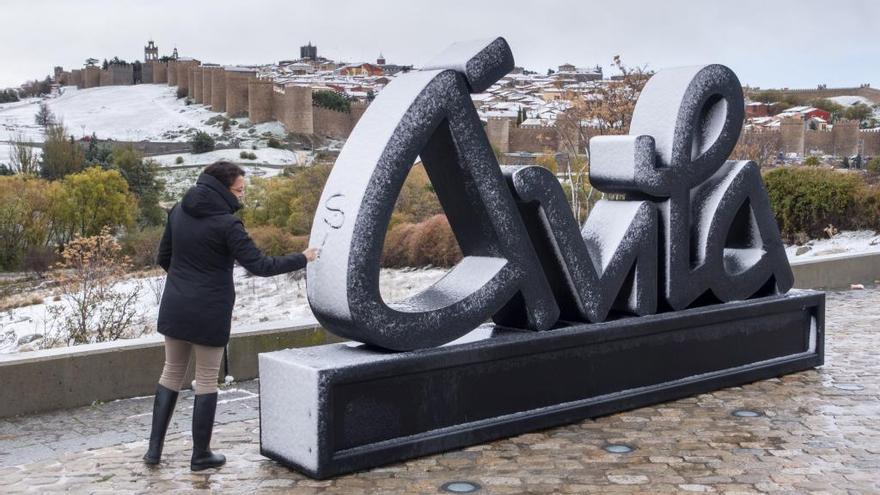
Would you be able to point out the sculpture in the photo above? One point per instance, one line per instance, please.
(708, 220)
(685, 229)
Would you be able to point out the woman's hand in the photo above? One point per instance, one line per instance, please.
(311, 254)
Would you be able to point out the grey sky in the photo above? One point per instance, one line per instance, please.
(794, 43)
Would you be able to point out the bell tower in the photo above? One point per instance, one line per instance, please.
(151, 51)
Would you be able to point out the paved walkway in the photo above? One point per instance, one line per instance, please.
(818, 432)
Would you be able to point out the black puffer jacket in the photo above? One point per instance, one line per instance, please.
(202, 239)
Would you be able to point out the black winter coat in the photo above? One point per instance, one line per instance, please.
(202, 240)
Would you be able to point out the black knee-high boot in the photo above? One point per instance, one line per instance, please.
(163, 408)
(204, 407)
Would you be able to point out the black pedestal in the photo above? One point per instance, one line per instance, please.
(338, 408)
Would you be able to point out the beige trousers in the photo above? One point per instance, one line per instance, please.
(177, 354)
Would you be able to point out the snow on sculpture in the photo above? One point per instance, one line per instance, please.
(526, 264)
(718, 237)
(427, 113)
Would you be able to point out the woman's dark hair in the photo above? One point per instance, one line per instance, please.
(225, 172)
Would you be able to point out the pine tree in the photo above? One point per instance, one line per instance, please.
(44, 116)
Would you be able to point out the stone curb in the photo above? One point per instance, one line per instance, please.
(62, 378)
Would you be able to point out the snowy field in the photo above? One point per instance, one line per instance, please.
(265, 156)
(258, 300)
(844, 243)
(141, 112)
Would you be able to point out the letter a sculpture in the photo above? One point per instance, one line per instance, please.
(678, 285)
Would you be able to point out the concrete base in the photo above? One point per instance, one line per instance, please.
(338, 408)
(836, 272)
(45, 380)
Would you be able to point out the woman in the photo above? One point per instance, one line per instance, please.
(202, 240)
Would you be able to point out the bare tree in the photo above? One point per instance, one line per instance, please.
(22, 157)
(605, 110)
(758, 145)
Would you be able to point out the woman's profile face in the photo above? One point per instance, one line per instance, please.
(237, 187)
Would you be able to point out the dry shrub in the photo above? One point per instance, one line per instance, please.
(94, 307)
(438, 245)
(142, 247)
(427, 243)
(275, 241)
(395, 253)
(39, 259)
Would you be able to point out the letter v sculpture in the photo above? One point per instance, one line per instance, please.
(676, 284)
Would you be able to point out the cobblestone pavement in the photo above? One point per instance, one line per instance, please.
(818, 432)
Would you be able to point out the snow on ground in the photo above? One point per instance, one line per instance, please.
(851, 100)
(129, 113)
(283, 297)
(6, 151)
(258, 300)
(265, 156)
(846, 242)
(178, 180)
(141, 112)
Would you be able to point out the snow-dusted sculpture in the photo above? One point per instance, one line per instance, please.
(685, 229)
(427, 113)
(719, 238)
(526, 262)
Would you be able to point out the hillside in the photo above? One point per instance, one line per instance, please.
(125, 113)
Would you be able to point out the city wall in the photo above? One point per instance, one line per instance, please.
(237, 91)
(844, 140)
(160, 72)
(338, 125)
(218, 90)
(172, 73)
(91, 77)
(182, 67)
(260, 100)
(292, 107)
(196, 84)
(207, 92)
(506, 137)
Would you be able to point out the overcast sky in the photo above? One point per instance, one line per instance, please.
(793, 43)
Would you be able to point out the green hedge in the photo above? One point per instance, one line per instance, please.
(806, 200)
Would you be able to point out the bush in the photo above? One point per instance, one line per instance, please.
(143, 181)
(275, 241)
(8, 96)
(202, 143)
(182, 92)
(39, 259)
(95, 308)
(142, 247)
(61, 156)
(246, 155)
(31, 214)
(395, 252)
(873, 166)
(179, 160)
(808, 200)
(274, 143)
(288, 201)
(812, 161)
(427, 243)
(331, 100)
